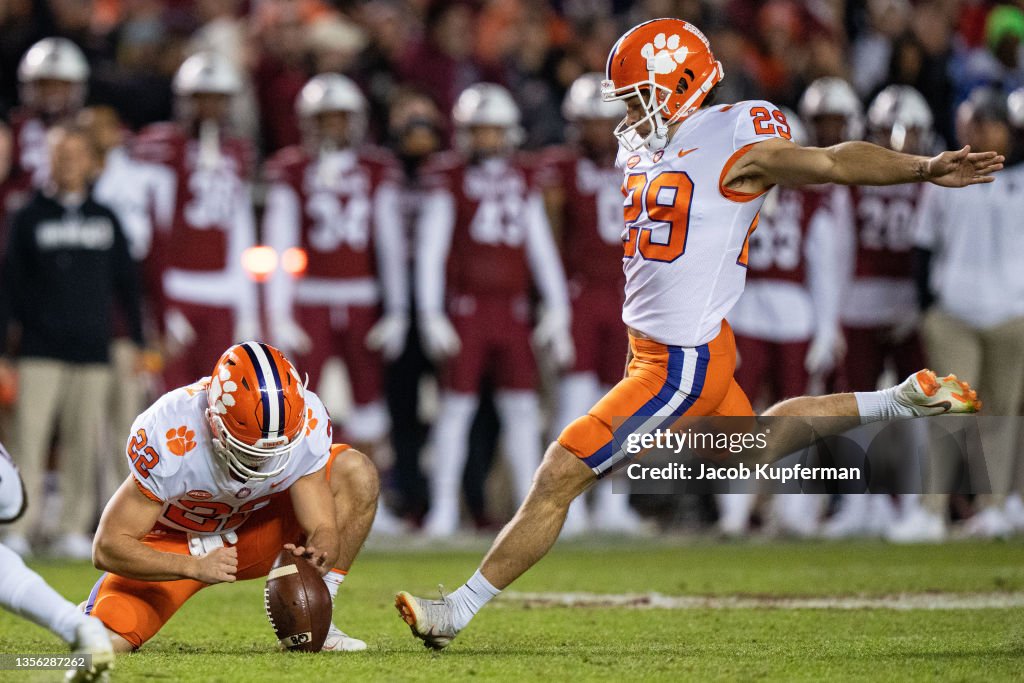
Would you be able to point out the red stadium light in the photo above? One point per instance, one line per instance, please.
(259, 262)
(294, 261)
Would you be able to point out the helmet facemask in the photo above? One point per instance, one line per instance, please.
(266, 456)
(654, 99)
(265, 459)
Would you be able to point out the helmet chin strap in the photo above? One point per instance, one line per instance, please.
(659, 137)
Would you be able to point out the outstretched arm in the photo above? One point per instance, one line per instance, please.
(781, 162)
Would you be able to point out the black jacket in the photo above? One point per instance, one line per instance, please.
(63, 270)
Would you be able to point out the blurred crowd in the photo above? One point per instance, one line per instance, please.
(426, 192)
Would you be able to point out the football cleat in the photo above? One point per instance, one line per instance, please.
(339, 641)
(926, 395)
(91, 638)
(429, 620)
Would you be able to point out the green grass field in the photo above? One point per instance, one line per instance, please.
(223, 634)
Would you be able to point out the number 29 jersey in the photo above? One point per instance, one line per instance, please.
(686, 235)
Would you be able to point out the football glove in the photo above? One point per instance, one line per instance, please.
(388, 335)
(179, 331)
(553, 334)
(440, 340)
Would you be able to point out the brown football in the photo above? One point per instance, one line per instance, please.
(297, 603)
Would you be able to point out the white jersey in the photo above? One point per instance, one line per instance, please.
(171, 458)
(128, 187)
(685, 233)
(977, 235)
(793, 291)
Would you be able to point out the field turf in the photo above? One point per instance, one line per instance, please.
(223, 635)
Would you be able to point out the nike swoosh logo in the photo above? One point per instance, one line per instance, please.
(684, 152)
(275, 485)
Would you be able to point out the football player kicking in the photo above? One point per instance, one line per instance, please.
(695, 177)
(224, 473)
(26, 593)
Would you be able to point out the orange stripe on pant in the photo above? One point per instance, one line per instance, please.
(662, 383)
(137, 610)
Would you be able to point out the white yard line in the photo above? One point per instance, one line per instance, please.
(900, 601)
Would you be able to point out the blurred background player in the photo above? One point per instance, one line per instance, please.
(336, 202)
(786, 323)
(25, 593)
(482, 241)
(203, 220)
(126, 185)
(879, 312)
(415, 131)
(971, 288)
(52, 79)
(833, 113)
(584, 200)
(66, 270)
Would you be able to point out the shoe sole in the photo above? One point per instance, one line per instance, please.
(406, 609)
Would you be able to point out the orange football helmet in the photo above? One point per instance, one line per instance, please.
(668, 65)
(256, 409)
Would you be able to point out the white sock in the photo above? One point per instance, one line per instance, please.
(334, 579)
(470, 598)
(880, 405)
(25, 593)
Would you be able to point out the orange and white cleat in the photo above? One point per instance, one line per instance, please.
(431, 621)
(925, 395)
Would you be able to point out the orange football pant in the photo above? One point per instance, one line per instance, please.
(662, 384)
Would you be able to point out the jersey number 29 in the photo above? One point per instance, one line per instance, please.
(665, 199)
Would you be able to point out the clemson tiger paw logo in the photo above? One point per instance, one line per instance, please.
(181, 440)
(221, 388)
(311, 422)
(664, 54)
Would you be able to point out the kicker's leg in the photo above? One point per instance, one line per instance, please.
(520, 545)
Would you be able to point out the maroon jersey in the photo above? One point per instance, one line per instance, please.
(30, 161)
(488, 244)
(591, 217)
(777, 243)
(335, 196)
(209, 199)
(883, 218)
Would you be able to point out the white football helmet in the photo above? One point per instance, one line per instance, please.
(53, 59)
(1015, 105)
(898, 109)
(332, 92)
(833, 96)
(207, 72)
(584, 101)
(487, 104)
